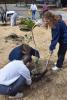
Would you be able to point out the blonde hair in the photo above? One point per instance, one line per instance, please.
(51, 17)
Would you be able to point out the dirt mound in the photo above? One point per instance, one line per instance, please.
(18, 39)
(15, 38)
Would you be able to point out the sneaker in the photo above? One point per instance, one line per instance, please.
(55, 68)
(18, 95)
(55, 63)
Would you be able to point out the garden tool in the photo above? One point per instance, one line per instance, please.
(48, 61)
(33, 35)
(34, 42)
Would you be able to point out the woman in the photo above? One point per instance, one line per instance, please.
(19, 52)
(59, 35)
(44, 9)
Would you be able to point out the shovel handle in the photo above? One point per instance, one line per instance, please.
(48, 60)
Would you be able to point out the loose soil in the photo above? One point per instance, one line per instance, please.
(53, 86)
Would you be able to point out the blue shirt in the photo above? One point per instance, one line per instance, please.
(59, 34)
(16, 53)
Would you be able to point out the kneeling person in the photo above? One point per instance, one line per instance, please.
(14, 76)
(19, 52)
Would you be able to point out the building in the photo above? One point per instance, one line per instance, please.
(58, 3)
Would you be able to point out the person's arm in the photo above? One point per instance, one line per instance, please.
(28, 78)
(55, 37)
(34, 52)
(24, 71)
(36, 7)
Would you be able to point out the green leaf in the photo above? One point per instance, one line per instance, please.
(28, 23)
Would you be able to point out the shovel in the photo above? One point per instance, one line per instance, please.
(47, 62)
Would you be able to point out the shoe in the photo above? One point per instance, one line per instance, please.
(18, 95)
(55, 68)
(55, 63)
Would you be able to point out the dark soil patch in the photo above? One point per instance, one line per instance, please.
(15, 38)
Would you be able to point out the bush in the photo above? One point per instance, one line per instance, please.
(27, 24)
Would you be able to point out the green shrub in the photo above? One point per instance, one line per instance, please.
(27, 23)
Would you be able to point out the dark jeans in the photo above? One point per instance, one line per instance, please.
(33, 14)
(3, 18)
(61, 54)
(14, 88)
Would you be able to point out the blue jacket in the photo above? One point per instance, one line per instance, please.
(16, 53)
(59, 34)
